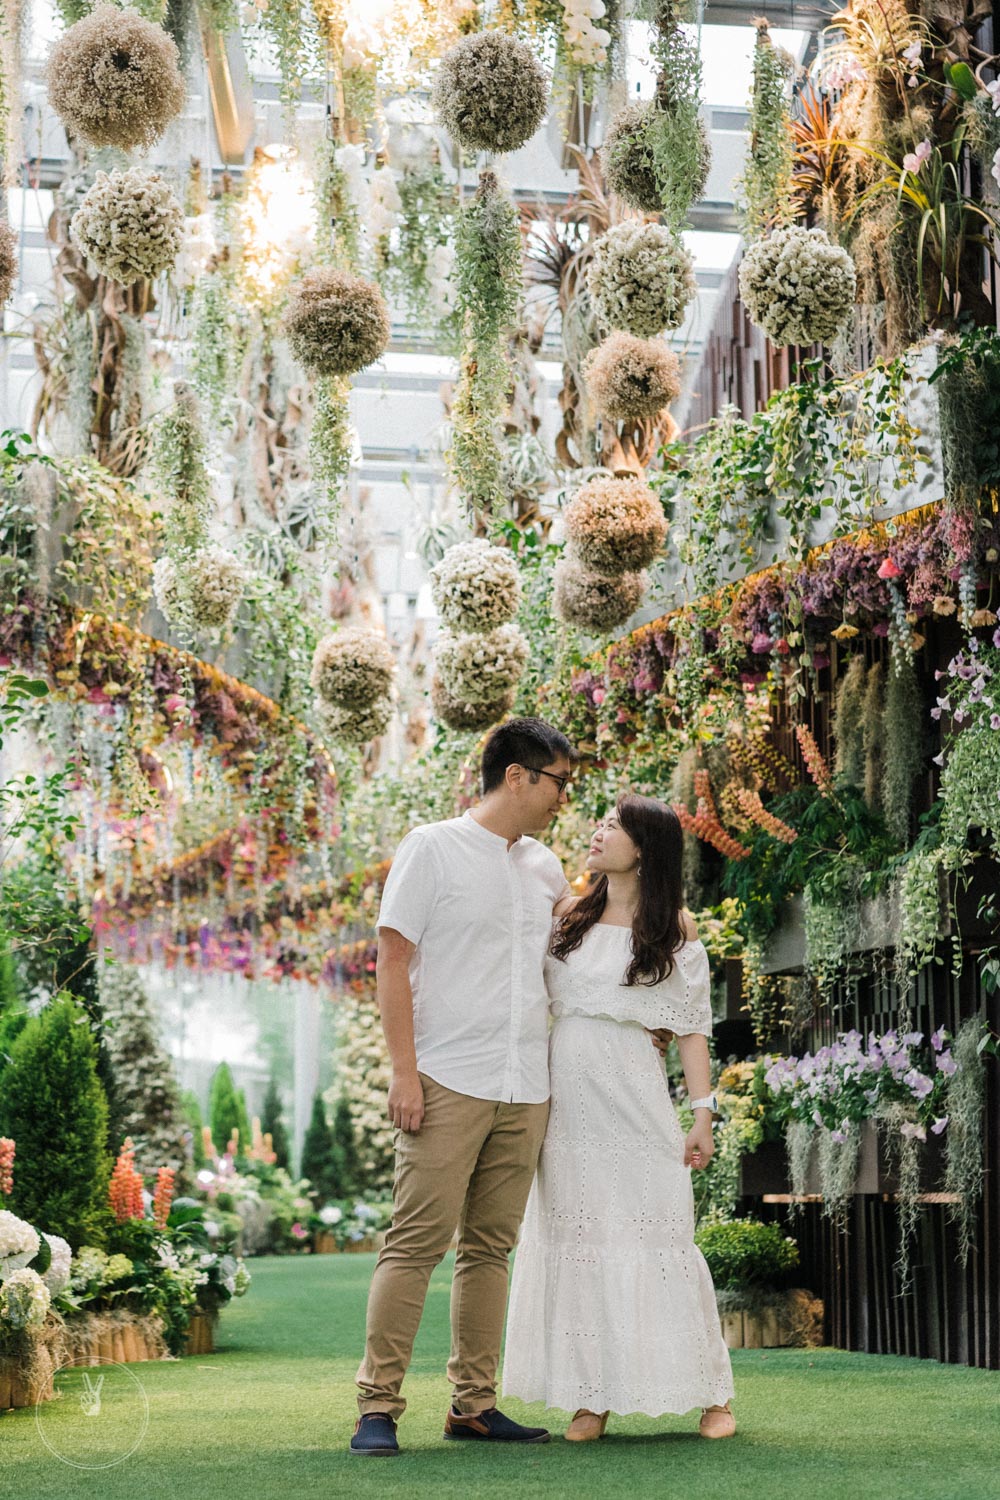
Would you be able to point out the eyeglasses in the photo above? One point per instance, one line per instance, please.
(562, 781)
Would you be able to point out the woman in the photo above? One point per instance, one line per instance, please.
(612, 1305)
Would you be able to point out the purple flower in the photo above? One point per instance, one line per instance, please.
(946, 1063)
(939, 1124)
(996, 637)
(995, 721)
(918, 1083)
(761, 643)
(937, 1039)
(817, 1117)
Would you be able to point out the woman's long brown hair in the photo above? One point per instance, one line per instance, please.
(657, 931)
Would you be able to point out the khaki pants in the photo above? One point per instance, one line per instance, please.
(470, 1165)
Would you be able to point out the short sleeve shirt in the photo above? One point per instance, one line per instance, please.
(480, 915)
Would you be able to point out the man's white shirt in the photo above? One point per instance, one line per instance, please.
(480, 915)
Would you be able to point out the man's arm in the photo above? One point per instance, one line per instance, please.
(395, 1004)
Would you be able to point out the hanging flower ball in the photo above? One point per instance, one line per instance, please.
(629, 163)
(337, 323)
(641, 278)
(476, 586)
(630, 379)
(203, 592)
(615, 525)
(8, 263)
(797, 286)
(481, 668)
(353, 669)
(490, 93)
(114, 79)
(129, 224)
(354, 726)
(468, 717)
(595, 602)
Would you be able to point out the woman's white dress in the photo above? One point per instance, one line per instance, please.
(612, 1306)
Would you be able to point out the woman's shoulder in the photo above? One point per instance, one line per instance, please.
(689, 926)
(564, 906)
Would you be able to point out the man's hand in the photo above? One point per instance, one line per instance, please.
(699, 1147)
(661, 1039)
(406, 1102)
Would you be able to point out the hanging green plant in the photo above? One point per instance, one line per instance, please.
(488, 251)
(902, 744)
(765, 189)
(848, 724)
(677, 139)
(330, 443)
(179, 470)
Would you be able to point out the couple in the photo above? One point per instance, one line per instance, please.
(612, 1306)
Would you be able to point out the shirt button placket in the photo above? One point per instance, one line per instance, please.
(512, 1080)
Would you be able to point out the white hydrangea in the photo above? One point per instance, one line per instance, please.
(480, 668)
(57, 1276)
(330, 1215)
(24, 1299)
(798, 286)
(641, 278)
(19, 1243)
(476, 586)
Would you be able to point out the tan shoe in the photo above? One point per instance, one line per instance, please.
(587, 1426)
(717, 1422)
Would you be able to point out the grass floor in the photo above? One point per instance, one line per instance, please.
(270, 1413)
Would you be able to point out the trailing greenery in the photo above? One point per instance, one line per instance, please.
(903, 738)
(680, 150)
(848, 724)
(765, 200)
(963, 1173)
(872, 735)
(488, 295)
(967, 379)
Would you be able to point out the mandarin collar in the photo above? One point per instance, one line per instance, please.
(487, 833)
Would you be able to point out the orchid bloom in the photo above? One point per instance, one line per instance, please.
(914, 160)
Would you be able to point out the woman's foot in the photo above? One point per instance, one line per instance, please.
(717, 1422)
(587, 1426)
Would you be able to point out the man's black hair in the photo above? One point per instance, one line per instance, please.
(521, 742)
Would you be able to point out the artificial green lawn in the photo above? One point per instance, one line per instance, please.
(270, 1415)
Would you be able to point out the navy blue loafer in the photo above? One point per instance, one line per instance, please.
(375, 1436)
(491, 1427)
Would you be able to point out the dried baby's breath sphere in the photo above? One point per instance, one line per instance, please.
(595, 602)
(476, 586)
(630, 379)
(129, 224)
(628, 158)
(490, 93)
(798, 286)
(353, 669)
(615, 525)
(357, 726)
(480, 668)
(337, 323)
(641, 278)
(114, 79)
(468, 717)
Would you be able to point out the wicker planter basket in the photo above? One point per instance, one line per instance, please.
(201, 1333)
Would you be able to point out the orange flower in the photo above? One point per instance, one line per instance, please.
(755, 810)
(813, 757)
(163, 1196)
(6, 1166)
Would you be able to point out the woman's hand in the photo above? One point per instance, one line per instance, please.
(660, 1038)
(699, 1147)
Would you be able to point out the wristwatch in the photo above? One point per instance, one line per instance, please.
(708, 1102)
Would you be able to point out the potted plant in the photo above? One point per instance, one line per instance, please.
(751, 1265)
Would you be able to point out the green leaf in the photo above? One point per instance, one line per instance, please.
(962, 79)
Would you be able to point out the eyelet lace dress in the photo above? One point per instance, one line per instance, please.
(612, 1306)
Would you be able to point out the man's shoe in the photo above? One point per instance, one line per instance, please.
(375, 1436)
(491, 1427)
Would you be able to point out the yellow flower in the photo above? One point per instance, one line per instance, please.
(982, 617)
(844, 632)
(943, 605)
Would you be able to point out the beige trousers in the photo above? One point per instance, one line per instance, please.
(470, 1165)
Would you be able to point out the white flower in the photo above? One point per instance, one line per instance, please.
(19, 1243)
(204, 592)
(386, 209)
(995, 169)
(24, 1299)
(993, 89)
(331, 1214)
(197, 248)
(57, 1276)
(166, 1257)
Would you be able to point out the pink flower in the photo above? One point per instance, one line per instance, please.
(914, 160)
(889, 569)
(298, 1231)
(599, 697)
(761, 643)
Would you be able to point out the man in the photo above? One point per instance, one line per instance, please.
(464, 927)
